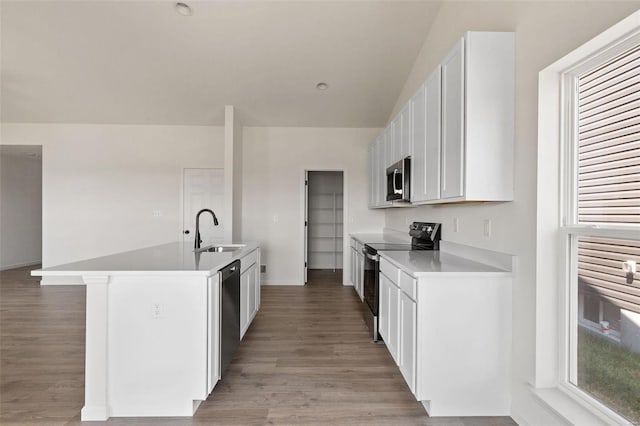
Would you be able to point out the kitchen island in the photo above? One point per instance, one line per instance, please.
(153, 326)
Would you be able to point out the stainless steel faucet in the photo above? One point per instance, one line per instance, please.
(198, 241)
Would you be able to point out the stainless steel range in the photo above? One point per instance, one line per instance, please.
(425, 236)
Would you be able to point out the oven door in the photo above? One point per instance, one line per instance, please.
(370, 282)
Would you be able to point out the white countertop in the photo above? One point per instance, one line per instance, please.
(173, 258)
(424, 262)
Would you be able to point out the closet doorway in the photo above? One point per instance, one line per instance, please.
(324, 226)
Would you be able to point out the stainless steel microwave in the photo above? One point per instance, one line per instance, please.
(399, 181)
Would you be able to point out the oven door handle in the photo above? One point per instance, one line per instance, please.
(373, 257)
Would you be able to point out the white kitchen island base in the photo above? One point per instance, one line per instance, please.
(146, 351)
(152, 334)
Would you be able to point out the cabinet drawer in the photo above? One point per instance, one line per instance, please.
(248, 260)
(408, 285)
(389, 270)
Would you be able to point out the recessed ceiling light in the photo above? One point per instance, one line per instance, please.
(322, 86)
(183, 9)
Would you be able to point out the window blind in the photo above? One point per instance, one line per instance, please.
(609, 141)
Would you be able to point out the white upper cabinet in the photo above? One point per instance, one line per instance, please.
(426, 138)
(373, 165)
(478, 118)
(385, 154)
(453, 122)
(396, 140)
(459, 126)
(404, 146)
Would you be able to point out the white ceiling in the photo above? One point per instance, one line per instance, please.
(142, 63)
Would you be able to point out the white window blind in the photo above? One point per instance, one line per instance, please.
(609, 141)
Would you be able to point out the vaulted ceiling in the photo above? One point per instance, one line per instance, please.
(140, 62)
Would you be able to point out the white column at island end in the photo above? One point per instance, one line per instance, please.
(96, 406)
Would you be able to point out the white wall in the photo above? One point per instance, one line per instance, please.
(545, 31)
(20, 209)
(274, 161)
(102, 183)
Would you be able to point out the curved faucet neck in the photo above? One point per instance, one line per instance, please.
(198, 240)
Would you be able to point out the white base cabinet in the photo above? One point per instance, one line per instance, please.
(249, 289)
(407, 335)
(357, 267)
(450, 335)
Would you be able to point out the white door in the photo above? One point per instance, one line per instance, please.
(203, 189)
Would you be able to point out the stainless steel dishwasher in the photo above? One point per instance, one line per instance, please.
(230, 314)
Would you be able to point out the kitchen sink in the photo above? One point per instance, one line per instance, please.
(220, 248)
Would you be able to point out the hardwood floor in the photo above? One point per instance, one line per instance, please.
(307, 359)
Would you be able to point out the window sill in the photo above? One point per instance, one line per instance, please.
(576, 408)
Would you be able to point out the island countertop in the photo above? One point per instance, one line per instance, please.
(176, 258)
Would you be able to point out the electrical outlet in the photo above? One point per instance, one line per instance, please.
(157, 213)
(456, 224)
(156, 310)
(263, 269)
(487, 228)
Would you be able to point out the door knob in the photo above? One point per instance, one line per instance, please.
(186, 232)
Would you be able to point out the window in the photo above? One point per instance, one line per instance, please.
(601, 215)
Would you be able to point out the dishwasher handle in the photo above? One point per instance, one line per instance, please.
(374, 257)
(230, 270)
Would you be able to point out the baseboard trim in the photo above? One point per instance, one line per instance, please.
(20, 265)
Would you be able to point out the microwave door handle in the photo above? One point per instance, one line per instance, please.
(395, 189)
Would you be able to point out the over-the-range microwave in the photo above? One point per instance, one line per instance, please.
(399, 181)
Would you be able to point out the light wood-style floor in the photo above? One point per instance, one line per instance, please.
(307, 359)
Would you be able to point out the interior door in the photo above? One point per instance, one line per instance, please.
(306, 224)
(202, 189)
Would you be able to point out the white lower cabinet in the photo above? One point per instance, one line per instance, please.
(407, 347)
(249, 289)
(360, 278)
(450, 335)
(357, 267)
(393, 336)
(213, 331)
(383, 307)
